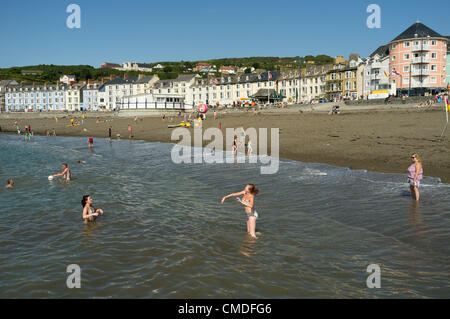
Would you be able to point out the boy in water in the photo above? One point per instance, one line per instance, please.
(65, 173)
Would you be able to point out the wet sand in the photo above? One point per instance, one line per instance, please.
(376, 140)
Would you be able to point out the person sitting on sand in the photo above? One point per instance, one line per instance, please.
(10, 183)
(415, 175)
(248, 200)
(65, 172)
(90, 213)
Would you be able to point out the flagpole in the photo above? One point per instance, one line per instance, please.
(268, 88)
(446, 105)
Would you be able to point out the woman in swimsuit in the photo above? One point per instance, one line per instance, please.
(248, 200)
(235, 146)
(415, 175)
(90, 213)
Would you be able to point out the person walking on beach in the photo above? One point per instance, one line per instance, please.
(83, 116)
(90, 213)
(65, 172)
(10, 183)
(248, 201)
(130, 131)
(110, 133)
(415, 175)
(54, 132)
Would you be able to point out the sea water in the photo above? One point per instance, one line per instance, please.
(165, 234)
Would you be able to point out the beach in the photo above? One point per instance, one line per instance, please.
(375, 138)
(165, 233)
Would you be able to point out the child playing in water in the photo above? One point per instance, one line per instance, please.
(248, 200)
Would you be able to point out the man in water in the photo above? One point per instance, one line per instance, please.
(65, 173)
(91, 144)
(10, 183)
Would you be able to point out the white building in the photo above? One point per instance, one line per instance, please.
(67, 79)
(134, 66)
(73, 97)
(45, 97)
(90, 96)
(376, 74)
(313, 82)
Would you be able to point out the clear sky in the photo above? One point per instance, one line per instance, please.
(35, 32)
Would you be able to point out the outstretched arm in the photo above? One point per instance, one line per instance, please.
(232, 195)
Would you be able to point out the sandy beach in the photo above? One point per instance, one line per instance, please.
(376, 139)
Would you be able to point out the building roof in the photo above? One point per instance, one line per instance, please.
(117, 81)
(417, 30)
(8, 82)
(382, 51)
(144, 65)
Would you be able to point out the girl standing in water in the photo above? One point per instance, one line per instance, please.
(248, 201)
(415, 175)
(90, 213)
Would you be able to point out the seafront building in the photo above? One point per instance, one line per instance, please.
(4, 84)
(313, 82)
(90, 96)
(418, 59)
(40, 97)
(73, 96)
(376, 74)
(415, 62)
(448, 63)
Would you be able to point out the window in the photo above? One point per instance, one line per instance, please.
(433, 67)
(406, 56)
(433, 79)
(394, 46)
(434, 55)
(406, 68)
(433, 42)
(406, 80)
(393, 58)
(406, 44)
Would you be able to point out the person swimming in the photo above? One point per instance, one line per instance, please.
(248, 201)
(90, 213)
(65, 172)
(10, 183)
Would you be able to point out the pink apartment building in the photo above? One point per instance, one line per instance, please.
(418, 60)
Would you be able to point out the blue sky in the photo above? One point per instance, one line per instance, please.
(35, 32)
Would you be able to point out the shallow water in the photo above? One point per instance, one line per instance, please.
(165, 235)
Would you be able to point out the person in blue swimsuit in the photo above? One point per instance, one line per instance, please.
(248, 201)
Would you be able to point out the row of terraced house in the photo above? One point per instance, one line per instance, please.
(415, 62)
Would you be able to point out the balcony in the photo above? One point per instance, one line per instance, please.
(418, 84)
(377, 65)
(419, 59)
(415, 72)
(420, 47)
